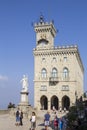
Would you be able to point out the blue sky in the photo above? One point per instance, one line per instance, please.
(17, 39)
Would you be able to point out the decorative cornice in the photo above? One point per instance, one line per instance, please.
(55, 50)
(60, 50)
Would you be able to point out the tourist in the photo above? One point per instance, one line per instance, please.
(53, 108)
(64, 109)
(60, 124)
(21, 117)
(55, 123)
(17, 118)
(33, 121)
(47, 120)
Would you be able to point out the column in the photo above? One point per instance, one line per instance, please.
(49, 105)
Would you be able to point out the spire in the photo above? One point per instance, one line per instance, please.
(41, 19)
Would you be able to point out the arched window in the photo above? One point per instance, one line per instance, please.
(54, 59)
(44, 73)
(54, 72)
(65, 73)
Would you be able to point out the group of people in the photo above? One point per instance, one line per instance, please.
(19, 117)
(56, 123)
(60, 109)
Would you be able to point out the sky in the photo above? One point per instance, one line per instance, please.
(17, 40)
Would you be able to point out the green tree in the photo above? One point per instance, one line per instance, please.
(11, 105)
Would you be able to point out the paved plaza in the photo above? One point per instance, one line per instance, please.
(7, 122)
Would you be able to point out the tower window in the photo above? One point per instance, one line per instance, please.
(65, 88)
(54, 72)
(43, 59)
(43, 88)
(65, 73)
(44, 73)
(54, 59)
(65, 59)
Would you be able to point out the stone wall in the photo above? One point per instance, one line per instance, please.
(4, 112)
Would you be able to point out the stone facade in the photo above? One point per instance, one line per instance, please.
(58, 71)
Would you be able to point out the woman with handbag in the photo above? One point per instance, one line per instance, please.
(33, 121)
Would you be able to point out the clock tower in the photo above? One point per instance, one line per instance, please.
(45, 33)
(58, 70)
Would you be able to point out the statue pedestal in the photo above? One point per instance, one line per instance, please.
(24, 97)
(24, 104)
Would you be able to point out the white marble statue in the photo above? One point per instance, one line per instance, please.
(24, 82)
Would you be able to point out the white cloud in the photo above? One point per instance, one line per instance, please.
(3, 78)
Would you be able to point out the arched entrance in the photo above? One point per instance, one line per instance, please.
(44, 102)
(54, 102)
(65, 102)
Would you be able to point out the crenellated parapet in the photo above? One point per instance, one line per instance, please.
(56, 50)
(49, 27)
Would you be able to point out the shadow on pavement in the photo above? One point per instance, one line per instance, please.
(42, 124)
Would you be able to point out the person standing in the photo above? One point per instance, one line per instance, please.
(60, 124)
(65, 109)
(33, 121)
(53, 108)
(21, 117)
(17, 118)
(55, 123)
(46, 120)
